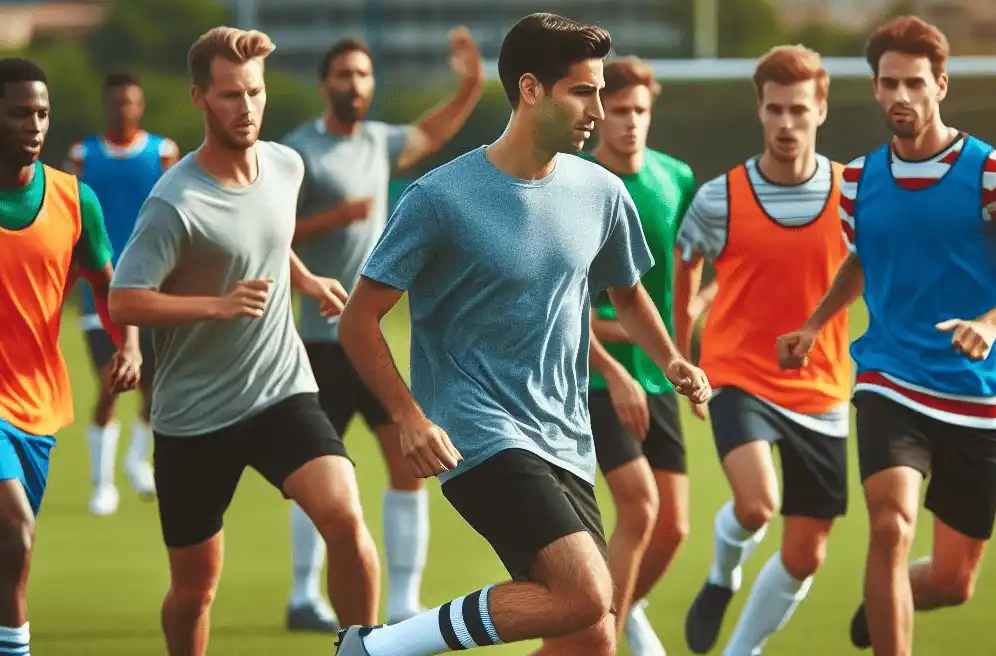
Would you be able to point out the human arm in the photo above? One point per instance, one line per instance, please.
(169, 153)
(440, 124)
(340, 215)
(73, 164)
(329, 292)
(628, 398)
(609, 331)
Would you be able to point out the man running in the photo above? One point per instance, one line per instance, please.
(210, 268)
(121, 166)
(918, 214)
(341, 212)
(770, 226)
(499, 251)
(634, 411)
(51, 229)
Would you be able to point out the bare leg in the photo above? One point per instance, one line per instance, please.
(186, 615)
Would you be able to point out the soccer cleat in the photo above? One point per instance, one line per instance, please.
(350, 642)
(142, 479)
(640, 635)
(860, 636)
(104, 500)
(310, 618)
(705, 617)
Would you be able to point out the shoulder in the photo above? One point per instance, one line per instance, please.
(680, 169)
(300, 136)
(851, 177)
(713, 195)
(168, 149)
(590, 172)
(77, 151)
(283, 155)
(88, 197)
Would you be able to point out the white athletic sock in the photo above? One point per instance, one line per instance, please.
(464, 623)
(140, 448)
(733, 546)
(308, 552)
(406, 547)
(103, 452)
(775, 596)
(15, 642)
(640, 635)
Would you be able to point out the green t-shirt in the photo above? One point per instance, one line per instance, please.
(19, 207)
(662, 191)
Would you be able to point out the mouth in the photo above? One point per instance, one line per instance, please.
(901, 115)
(33, 146)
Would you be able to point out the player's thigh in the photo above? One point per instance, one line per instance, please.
(664, 447)
(814, 473)
(196, 478)
(521, 504)
(962, 489)
(744, 429)
(25, 457)
(615, 446)
(337, 382)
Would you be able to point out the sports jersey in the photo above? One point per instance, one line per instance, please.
(776, 249)
(662, 191)
(921, 231)
(51, 224)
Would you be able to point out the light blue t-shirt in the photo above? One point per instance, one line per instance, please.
(500, 273)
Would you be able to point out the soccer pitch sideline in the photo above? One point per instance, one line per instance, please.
(97, 583)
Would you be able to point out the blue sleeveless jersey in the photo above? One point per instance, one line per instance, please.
(927, 257)
(121, 183)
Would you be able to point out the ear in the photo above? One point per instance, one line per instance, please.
(197, 95)
(530, 89)
(942, 86)
(824, 110)
(875, 86)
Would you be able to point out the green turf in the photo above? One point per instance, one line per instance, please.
(97, 583)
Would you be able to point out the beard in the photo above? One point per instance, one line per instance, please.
(910, 130)
(344, 110)
(224, 136)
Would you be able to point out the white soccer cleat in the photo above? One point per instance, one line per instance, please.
(104, 500)
(143, 481)
(640, 635)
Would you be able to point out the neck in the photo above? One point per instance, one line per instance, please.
(621, 163)
(517, 153)
(928, 143)
(337, 127)
(122, 135)
(795, 172)
(231, 167)
(16, 177)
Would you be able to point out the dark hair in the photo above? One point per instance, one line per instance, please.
(339, 48)
(118, 79)
(626, 72)
(912, 36)
(13, 70)
(547, 45)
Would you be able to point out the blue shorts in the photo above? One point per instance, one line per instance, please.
(25, 457)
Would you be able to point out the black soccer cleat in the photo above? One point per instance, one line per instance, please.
(860, 635)
(705, 617)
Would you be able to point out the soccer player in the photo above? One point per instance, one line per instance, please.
(121, 166)
(771, 229)
(341, 212)
(51, 229)
(633, 401)
(499, 251)
(210, 268)
(918, 214)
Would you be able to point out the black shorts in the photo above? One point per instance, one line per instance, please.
(960, 461)
(196, 476)
(341, 391)
(615, 446)
(814, 465)
(102, 349)
(521, 503)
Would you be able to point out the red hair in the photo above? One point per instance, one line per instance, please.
(912, 36)
(792, 65)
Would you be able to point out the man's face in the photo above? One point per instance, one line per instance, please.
(349, 86)
(908, 92)
(24, 121)
(124, 106)
(234, 102)
(567, 112)
(627, 120)
(790, 116)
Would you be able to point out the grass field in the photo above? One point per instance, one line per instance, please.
(96, 585)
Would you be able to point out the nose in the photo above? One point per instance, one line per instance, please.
(596, 112)
(902, 93)
(36, 124)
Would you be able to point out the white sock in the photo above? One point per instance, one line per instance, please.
(733, 546)
(140, 448)
(464, 623)
(15, 642)
(775, 596)
(103, 451)
(308, 552)
(640, 635)
(406, 548)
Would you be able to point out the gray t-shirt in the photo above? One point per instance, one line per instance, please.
(500, 273)
(197, 238)
(337, 168)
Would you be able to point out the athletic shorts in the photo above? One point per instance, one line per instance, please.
(960, 461)
(102, 349)
(521, 504)
(814, 465)
(341, 391)
(196, 476)
(615, 446)
(25, 457)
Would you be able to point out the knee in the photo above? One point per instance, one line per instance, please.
(590, 601)
(342, 522)
(16, 542)
(803, 562)
(755, 513)
(638, 513)
(193, 597)
(891, 530)
(955, 591)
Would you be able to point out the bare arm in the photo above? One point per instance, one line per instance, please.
(150, 307)
(847, 286)
(687, 279)
(301, 277)
(338, 216)
(600, 359)
(610, 331)
(638, 315)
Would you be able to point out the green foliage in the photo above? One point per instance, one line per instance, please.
(748, 28)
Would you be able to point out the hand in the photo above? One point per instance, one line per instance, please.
(793, 348)
(696, 308)
(427, 448)
(630, 403)
(689, 380)
(352, 210)
(700, 410)
(125, 370)
(465, 58)
(330, 294)
(973, 338)
(246, 299)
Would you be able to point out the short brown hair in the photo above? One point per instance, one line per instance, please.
(621, 74)
(792, 65)
(339, 48)
(912, 36)
(233, 44)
